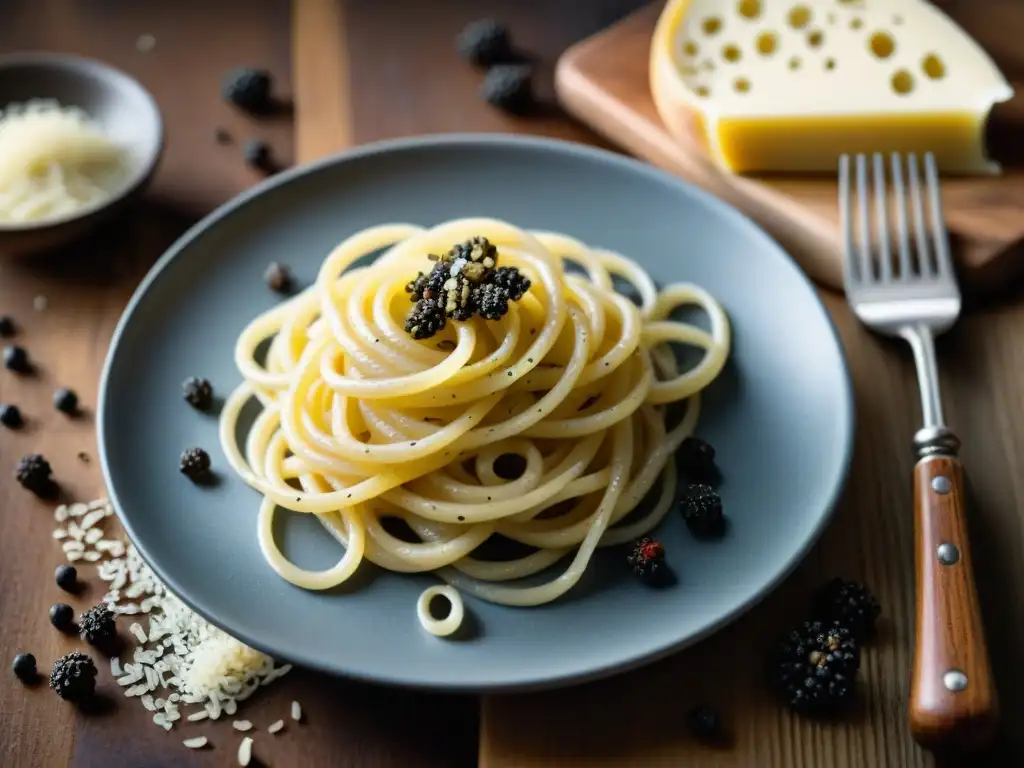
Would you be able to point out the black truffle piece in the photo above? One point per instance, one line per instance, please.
(484, 42)
(256, 153)
(198, 393)
(73, 677)
(814, 668)
(35, 474)
(513, 282)
(647, 559)
(98, 628)
(16, 359)
(426, 318)
(702, 510)
(248, 89)
(704, 723)
(195, 464)
(850, 604)
(509, 87)
(10, 416)
(65, 401)
(696, 458)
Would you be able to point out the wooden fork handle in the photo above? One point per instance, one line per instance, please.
(953, 698)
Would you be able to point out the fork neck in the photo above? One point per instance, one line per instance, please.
(934, 438)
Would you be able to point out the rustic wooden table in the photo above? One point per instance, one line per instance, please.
(370, 70)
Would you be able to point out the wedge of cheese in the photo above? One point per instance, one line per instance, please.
(789, 85)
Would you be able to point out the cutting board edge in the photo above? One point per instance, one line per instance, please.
(811, 241)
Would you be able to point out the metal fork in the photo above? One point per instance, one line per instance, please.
(913, 294)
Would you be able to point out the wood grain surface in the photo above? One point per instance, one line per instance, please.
(401, 77)
(604, 81)
(638, 719)
(950, 630)
(87, 286)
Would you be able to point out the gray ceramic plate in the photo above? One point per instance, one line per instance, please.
(781, 415)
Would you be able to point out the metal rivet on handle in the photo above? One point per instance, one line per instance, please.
(954, 680)
(941, 484)
(948, 554)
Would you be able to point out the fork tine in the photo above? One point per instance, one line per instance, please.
(902, 228)
(940, 235)
(882, 219)
(924, 260)
(867, 272)
(850, 272)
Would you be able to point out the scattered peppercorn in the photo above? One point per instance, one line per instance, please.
(509, 87)
(67, 578)
(10, 416)
(221, 135)
(35, 474)
(7, 327)
(195, 464)
(484, 42)
(704, 723)
(24, 667)
(696, 458)
(702, 510)
(65, 401)
(62, 616)
(16, 359)
(98, 628)
(814, 668)
(198, 393)
(425, 319)
(73, 677)
(248, 89)
(256, 154)
(278, 278)
(83, 457)
(850, 604)
(647, 559)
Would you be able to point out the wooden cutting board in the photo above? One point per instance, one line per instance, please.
(603, 82)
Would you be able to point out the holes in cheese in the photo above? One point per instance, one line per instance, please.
(749, 9)
(766, 43)
(799, 16)
(933, 66)
(902, 82)
(882, 44)
(791, 84)
(711, 25)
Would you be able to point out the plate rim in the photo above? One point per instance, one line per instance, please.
(541, 681)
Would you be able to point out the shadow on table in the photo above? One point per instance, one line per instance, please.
(117, 253)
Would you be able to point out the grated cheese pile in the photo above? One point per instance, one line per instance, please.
(180, 659)
(54, 160)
